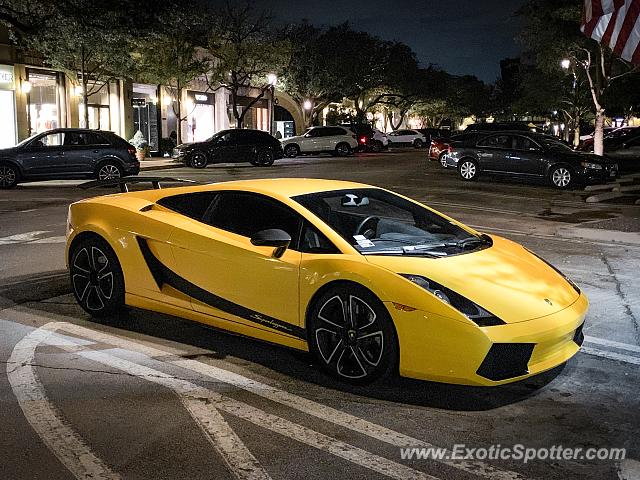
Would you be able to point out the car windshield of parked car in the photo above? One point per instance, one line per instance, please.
(377, 222)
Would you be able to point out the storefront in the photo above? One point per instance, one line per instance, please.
(43, 100)
(199, 110)
(103, 107)
(8, 136)
(144, 102)
(256, 117)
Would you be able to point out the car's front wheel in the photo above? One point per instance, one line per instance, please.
(291, 151)
(443, 160)
(468, 169)
(198, 160)
(264, 158)
(9, 175)
(417, 143)
(560, 176)
(96, 277)
(351, 334)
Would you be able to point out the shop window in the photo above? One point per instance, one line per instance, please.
(43, 101)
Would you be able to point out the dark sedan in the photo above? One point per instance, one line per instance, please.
(68, 153)
(231, 146)
(529, 155)
(626, 152)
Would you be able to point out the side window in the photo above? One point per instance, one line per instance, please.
(313, 240)
(94, 139)
(247, 213)
(496, 141)
(74, 139)
(315, 132)
(523, 143)
(192, 205)
(50, 140)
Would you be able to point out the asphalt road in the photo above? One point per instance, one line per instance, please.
(153, 396)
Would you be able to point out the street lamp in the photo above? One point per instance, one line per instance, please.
(565, 63)
(307, 105)
(272, 80)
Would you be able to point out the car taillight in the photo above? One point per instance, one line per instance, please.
(363, 139)
(131, 150)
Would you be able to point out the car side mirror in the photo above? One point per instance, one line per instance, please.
(272, 237)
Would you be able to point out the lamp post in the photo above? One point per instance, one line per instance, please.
(272, 80)
(567, 66)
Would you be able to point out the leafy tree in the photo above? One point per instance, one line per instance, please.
(244, 51)
(552, 32)
(171, 54)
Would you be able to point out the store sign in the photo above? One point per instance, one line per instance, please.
(6, 77)
(202, 98)
(138, 102)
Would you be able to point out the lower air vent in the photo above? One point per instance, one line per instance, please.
(506, 360)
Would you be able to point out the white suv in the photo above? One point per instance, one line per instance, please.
(338, 140)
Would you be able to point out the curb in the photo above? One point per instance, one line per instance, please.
(144, 168)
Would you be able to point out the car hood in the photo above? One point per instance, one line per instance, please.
(505, 279)
(585, 157)
(8, 151)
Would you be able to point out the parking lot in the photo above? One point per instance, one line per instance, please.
(152, 396)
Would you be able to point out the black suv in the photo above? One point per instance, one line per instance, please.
(68, 153)
(231, 146)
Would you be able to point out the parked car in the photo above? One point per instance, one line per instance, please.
(364, 135)
(381, 140)
(626, 153)
(498, 126)
(440, 146)
(431, 133)
(529, 155)
(612, 137)
(339, 140)
(407, 137)
(231, 146)
(68, 153)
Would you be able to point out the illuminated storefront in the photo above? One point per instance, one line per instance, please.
(7, 107)
(43, 100)
(144, 102)
(200, 113)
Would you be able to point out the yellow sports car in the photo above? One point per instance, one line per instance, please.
(369, 281)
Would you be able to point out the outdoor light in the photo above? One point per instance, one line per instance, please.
(25, 86)
(565, 63)
(166, 100)
(153, 99)
(77, 90)
(307, 105)
(272, 78)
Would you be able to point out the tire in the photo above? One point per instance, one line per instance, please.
(377, 146)
(367, 349)
(108, 171)
(468, 169)
(9, 175)
(443, 160)
(264, 158)
(96, 277)
(198, 160)
(417, 143)
(560, 176)
(292, 150)
(343, 149)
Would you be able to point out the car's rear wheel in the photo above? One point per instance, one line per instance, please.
(560, 176)
(9, 175)
(291, 151)
(96, 277)
(264, 158)
(442, 159)
(417, 143)
(352, 335)
(468, 169)
(198, 160)
(108, 171)
(343, 149)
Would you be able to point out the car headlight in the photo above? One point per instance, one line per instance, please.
(469, 309)
(594, 166)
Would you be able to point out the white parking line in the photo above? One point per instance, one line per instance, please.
(22, 237)
(302, 404)
(611, 343)
(620, 357)
(42, 415)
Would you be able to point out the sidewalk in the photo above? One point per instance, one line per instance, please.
(159, 163)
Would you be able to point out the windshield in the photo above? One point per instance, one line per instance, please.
(27, 140)
(377, 222)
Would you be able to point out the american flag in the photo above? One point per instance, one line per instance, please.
(615, 23)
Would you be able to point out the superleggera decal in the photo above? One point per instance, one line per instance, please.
(165, 276)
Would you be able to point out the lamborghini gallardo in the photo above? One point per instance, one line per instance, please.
(369, 281)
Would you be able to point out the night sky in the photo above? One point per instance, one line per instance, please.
(461, 36)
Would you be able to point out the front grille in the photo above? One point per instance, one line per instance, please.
(506, 360)
(578, 337)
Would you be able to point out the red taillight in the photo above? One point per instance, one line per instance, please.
(449, 148)
(131, 150)
(363, 139)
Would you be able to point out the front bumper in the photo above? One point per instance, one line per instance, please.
(441, 349)
(132, 168)
(608, 173)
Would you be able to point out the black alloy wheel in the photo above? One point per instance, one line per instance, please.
(352, 335)
(291, 151)
(96, 277)
(198, 160)
(265, 158)
(343, 149)
(8, 176)
(108, 171)
(417, 143)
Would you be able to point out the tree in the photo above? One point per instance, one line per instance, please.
(172, 55)
(552, 32)
(244, 52)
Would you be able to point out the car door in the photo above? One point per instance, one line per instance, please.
(82, 150)
(237, 280)
(312, 141)
(224, 148)
(525, 157)
(246, 144)
(492, 151)
(44, 156)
